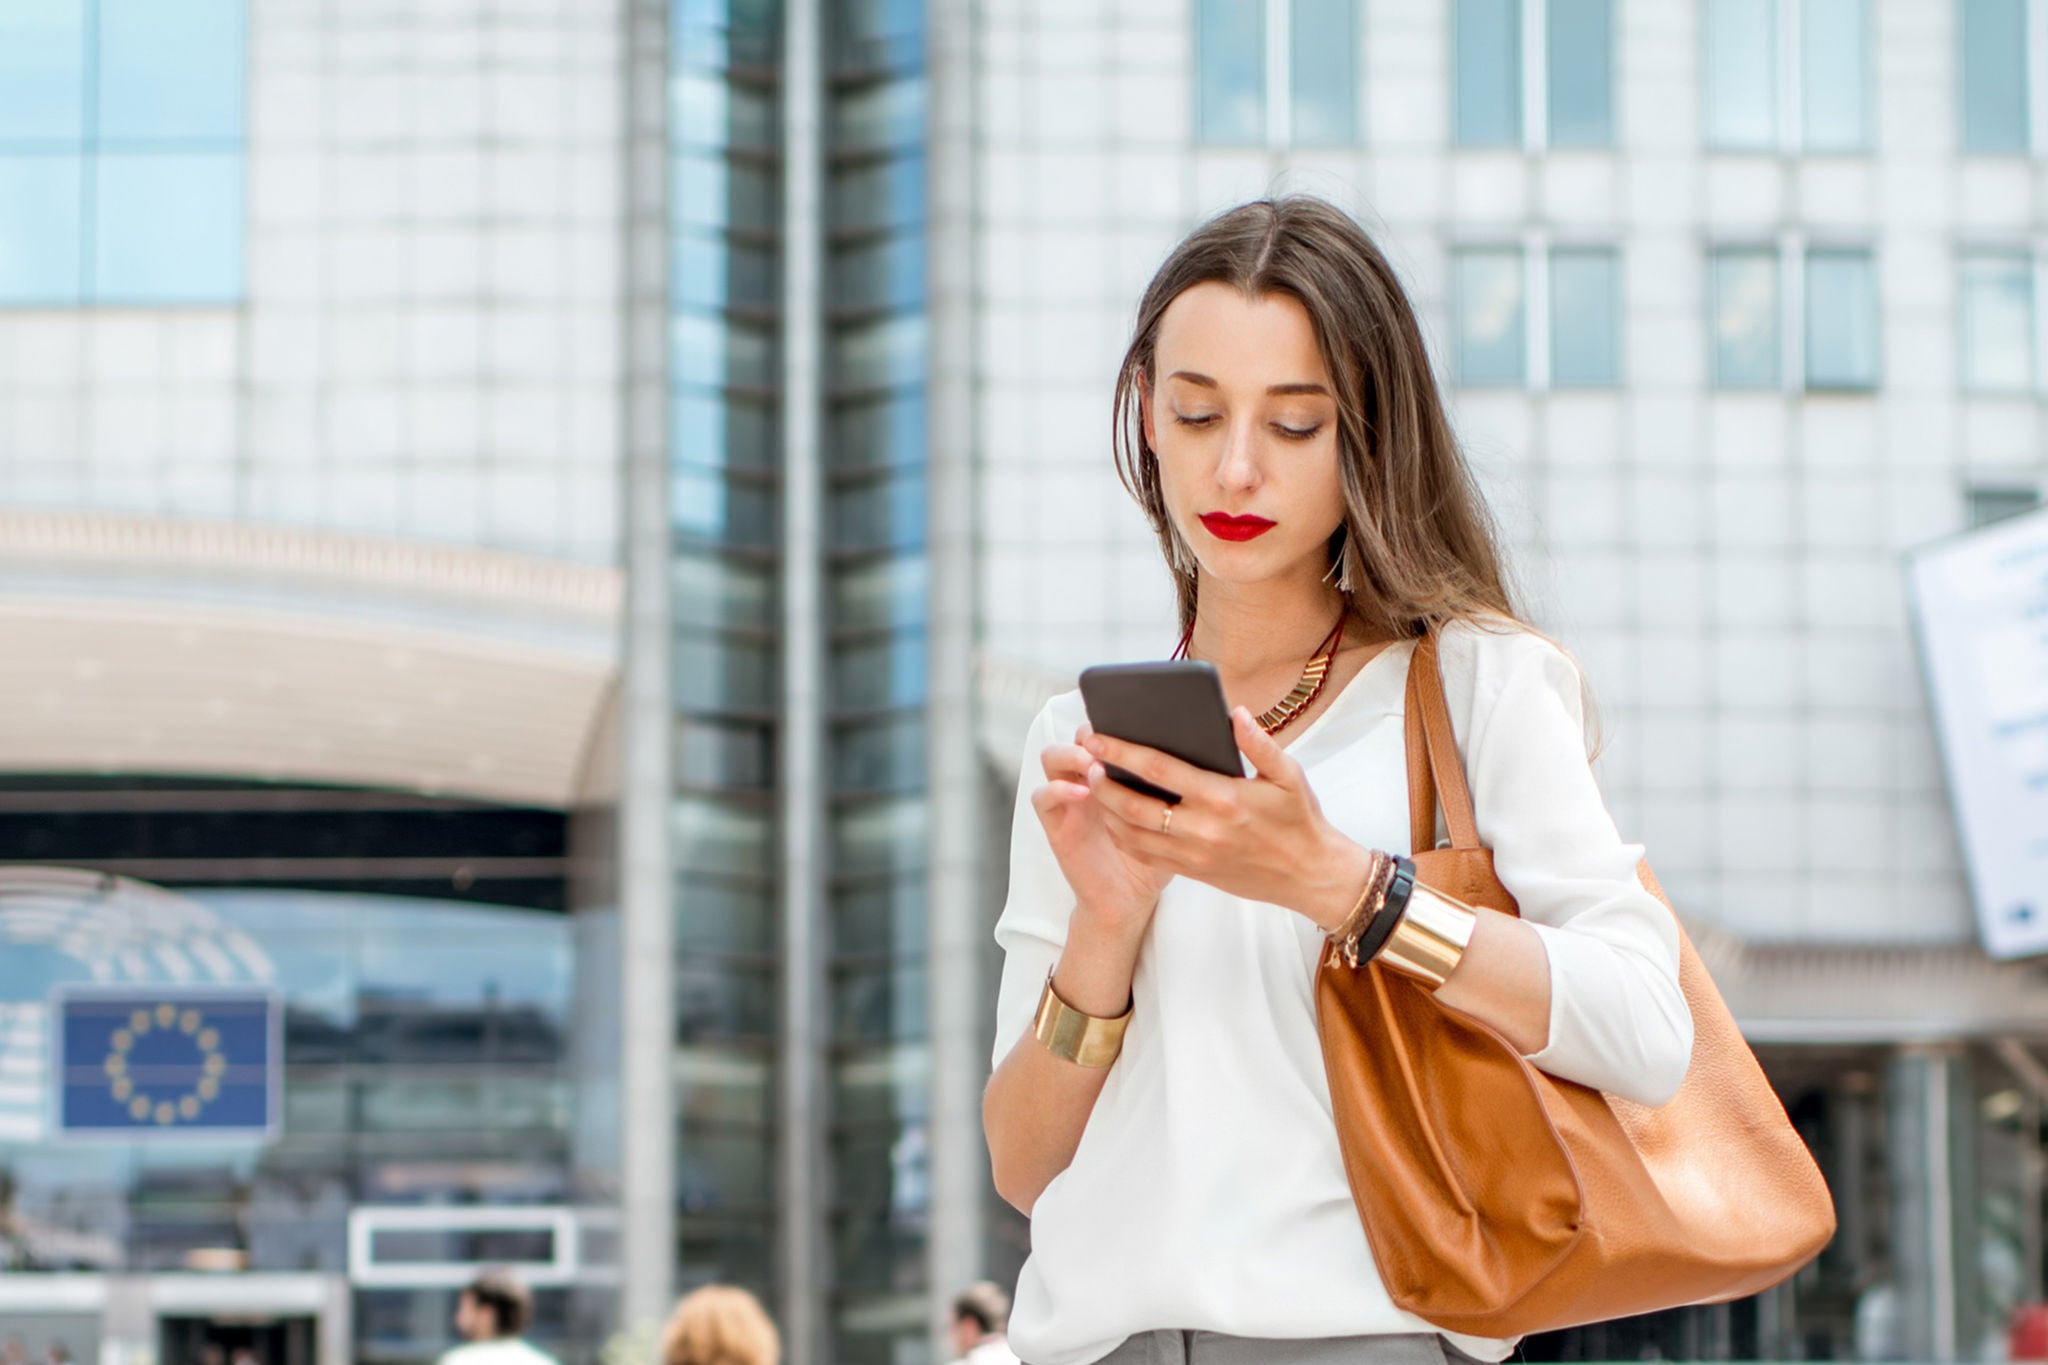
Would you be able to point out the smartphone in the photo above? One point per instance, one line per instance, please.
(1176, 707)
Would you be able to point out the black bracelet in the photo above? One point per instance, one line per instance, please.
(1396, 905)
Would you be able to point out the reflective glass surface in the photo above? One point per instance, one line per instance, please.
(718, 998)
(1834, 75)
(1992, 82)
(876, 355)
(1742, 320)
(712, 273)
(708, 191)
(724, 1085)
(41, 197)
(168, 228)
(709, 835)
(890, 670)
(170, 71)
(888, 272)
(724, 914)
(710, 590)
(732, 755)
(1580, 57)
(713, 429)
(889, 593)
(718, 1169)
(885, 1084)
(1742, 74)
(709, 111)
(1997, 289)
(1488, 82)
(1323, 73)
(880, 916)
(1230, 71)
(889, 430)
(42, 76)
(877, 514)
(879, 1003)
(879, 1250)
(1487, 302)
(1841, 320)
(723, 33)
(884, 115)
(881, 836)
(883, 755)
(877, 33)
(1585, 318)
(708, 504)
(716, 352)
(716, 672)
(885, 193)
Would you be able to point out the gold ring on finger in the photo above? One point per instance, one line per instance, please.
(1166, 821)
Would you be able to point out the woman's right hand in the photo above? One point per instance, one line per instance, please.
(1112, 886)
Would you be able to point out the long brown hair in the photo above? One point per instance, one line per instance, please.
(1419, 547)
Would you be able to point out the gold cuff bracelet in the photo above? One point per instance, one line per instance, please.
(1072, 1036)
(1431, 937)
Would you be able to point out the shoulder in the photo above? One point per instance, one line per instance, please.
(1486, 660)
(1057, 720)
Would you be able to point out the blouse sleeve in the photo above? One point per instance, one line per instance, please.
(1618, 1021)
(1033, 927)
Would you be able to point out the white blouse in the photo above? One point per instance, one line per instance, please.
(1208, 1192)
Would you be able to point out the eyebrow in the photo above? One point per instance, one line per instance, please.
(1206, 382)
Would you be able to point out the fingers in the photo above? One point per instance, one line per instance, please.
(1065, 762)
(1269, 760)
(1161, 769)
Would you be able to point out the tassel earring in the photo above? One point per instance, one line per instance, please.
(1340, 564)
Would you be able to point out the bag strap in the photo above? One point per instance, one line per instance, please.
(1433, 764)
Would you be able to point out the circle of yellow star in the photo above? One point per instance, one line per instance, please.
(167, 1109)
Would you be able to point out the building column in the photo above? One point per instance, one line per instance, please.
(647, 1124)
(1932, 1121)
(803, 1267)
(956, 930)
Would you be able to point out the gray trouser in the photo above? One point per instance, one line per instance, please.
(1214, 1348)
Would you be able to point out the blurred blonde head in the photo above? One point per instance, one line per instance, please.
(719, 1325)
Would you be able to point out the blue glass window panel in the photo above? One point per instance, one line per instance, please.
(705, 505)
(886, 354)
(1834, 84)
(1841, 320)
(1585, 318)
(1230, 71)
(1489, 73)
(880, 194)
(708, 590)
(719, 33)
(707, 111)
(1579, 50)
(891, 114)
(871, 674)
(1742, 74)
(889, 432)
(889, 273)
(877, 33)
(1323, 57)
(888, 594)
(168, 228)
(1998, 321)
(711, 192)
(1994, 75)
(170, 71)
(713, 273)
(712, 671)
(41, 205)
(892, 835)
(42, 73)
(880, 514)
(1487, 298)
(712, 352)
(1743, 289)
(885, 755)
(707, 428)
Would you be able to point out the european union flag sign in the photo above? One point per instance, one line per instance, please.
(139, 1061)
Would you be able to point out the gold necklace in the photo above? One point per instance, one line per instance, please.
(1306, 688)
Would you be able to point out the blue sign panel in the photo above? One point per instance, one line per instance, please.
(141, 1061)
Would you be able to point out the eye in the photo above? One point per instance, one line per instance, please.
(1297, 433)
(1202, 419)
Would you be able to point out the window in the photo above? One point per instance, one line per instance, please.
(121, 151)
(1787, 75)
(1992, 70)
(1833, 341)
(1990, 505)
(1276, 72)
(1841, 319)
(1579, 55)
(1997, 295)
(1742, 291)
(1565, 335)
(1585, 310)
(1488, 84)
(1486, 300)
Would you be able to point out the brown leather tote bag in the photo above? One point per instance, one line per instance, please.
(1500, 1200)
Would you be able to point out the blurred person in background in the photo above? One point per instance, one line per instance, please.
(1279, 421)
(491, 1313)
(980, 1315)
(719, 1325)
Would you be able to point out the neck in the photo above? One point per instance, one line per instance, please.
(1248, 628)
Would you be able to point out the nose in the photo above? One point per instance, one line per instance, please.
(1238, 468)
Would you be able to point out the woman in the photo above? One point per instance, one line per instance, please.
(1278, 421)
(719, 1325)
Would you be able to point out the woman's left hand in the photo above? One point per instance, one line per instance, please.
(1262, 838)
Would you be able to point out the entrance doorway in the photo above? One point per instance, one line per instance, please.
(237, 1339)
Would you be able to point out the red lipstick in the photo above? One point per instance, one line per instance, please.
(1236, 528)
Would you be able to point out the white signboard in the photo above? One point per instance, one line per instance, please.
(1981, 605)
